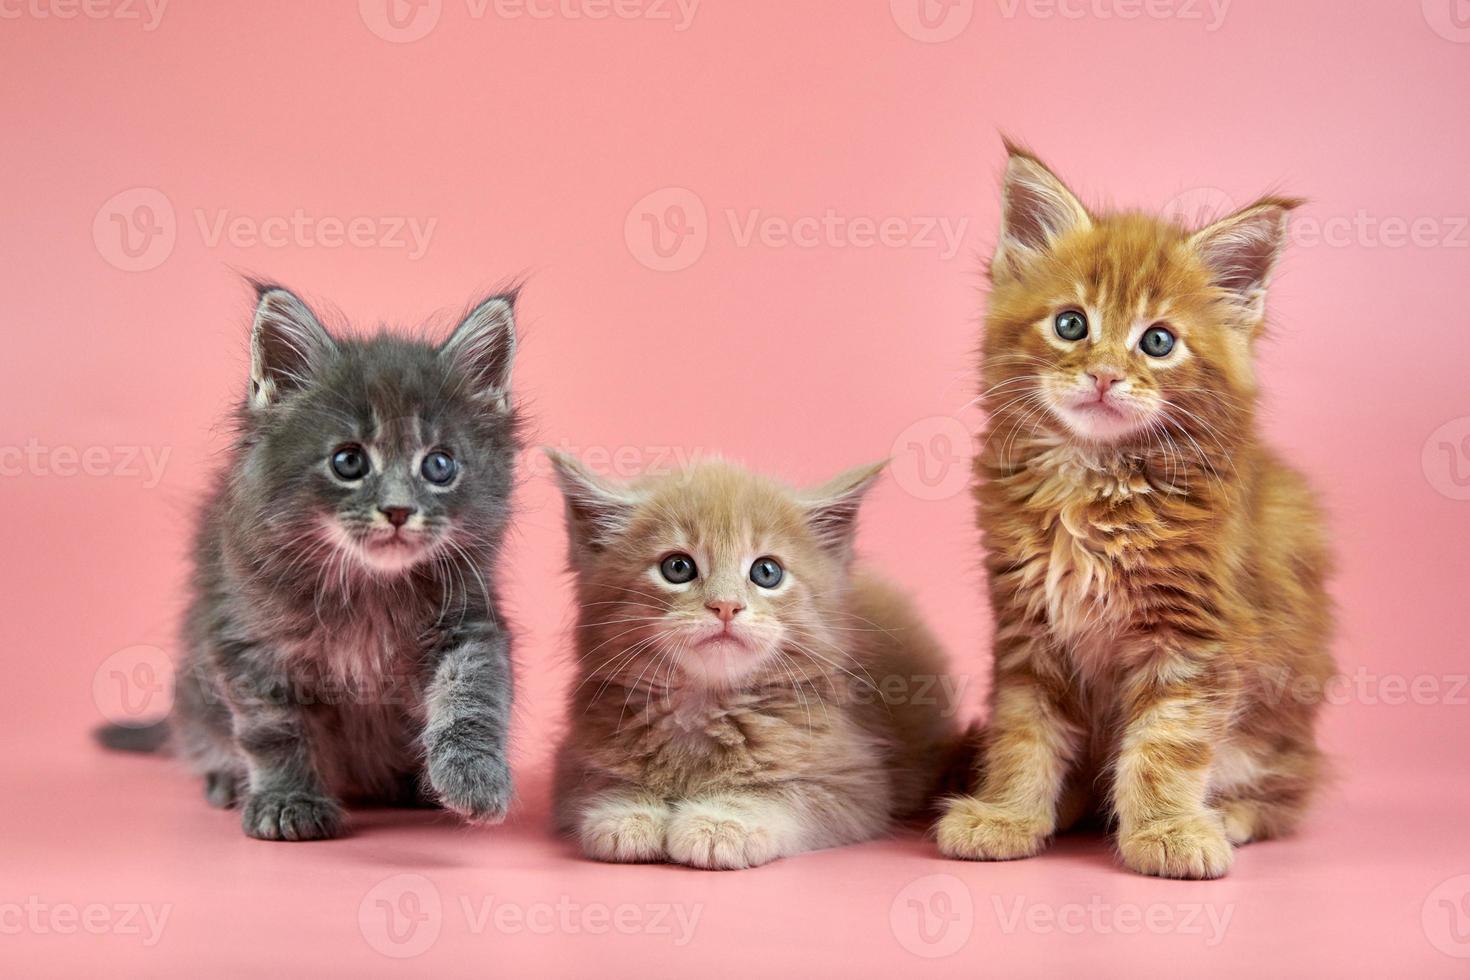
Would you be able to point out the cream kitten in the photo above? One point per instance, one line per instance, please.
(742, 693)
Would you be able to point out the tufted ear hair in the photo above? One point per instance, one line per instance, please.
(832, 508)
(1037, 210)
(287, 345)
(598, 511)
(1241, 249)
(483, 349)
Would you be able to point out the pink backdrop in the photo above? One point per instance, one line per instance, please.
(751, 228)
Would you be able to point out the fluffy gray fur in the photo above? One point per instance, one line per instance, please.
(331, 655)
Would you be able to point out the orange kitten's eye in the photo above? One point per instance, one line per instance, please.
(1157, 341)
(1071, 325)
(678, 568)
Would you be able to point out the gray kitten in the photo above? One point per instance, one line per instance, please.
(343, 641)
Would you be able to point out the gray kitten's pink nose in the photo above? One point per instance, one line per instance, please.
(724, 608)
(398, 516)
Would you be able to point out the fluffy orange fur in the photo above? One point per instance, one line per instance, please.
(1156, 574)
(728, 742)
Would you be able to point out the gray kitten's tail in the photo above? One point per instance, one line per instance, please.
(133, 738)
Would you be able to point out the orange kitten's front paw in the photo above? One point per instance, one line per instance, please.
(976, 831)
(1192, 846)
(627, 832)
(705, 835)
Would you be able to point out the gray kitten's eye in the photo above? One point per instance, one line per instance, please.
(767, 572)
(350, 462)
(439, 467)
(1157, 341)
(1071, 325)
(678, 568)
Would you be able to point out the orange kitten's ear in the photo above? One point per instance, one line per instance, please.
(1241, 251)
(833, 507)
(598, 510)
(1037, 209)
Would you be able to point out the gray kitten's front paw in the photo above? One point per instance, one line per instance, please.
(279, 815)
(475, 785)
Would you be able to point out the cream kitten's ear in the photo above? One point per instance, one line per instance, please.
(1037, 209)
(1241, 251)
(286, 343)
(832, 508)
(598, 510)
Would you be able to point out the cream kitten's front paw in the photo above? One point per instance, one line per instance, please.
(625, 831)
(976, 831)
(722, 838)
(1192, 846)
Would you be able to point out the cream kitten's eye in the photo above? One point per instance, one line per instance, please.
(1071, 325)
(678, 568)
(767, 573)
(1157, 341)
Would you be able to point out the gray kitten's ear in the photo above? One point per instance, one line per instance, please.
(1037, 209)
(483, 347)
(832, 508)
(1240, 251)
(287, 343)
(598, 510)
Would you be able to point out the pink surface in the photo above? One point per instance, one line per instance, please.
(822, 181)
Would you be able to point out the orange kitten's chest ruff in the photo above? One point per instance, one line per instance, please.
(1077, 547)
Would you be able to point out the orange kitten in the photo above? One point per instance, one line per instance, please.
(1156, 574)
(742, 693)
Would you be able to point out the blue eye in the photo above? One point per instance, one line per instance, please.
(1071, 325)
(767, 573)
(678, 568)
(350, 462)
(439, 467)
(1157, 341)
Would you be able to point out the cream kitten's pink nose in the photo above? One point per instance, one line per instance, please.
(724, 608)
(1105, 378)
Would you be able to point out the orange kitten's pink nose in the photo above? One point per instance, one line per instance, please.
(1105, 378)
(724, 608)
